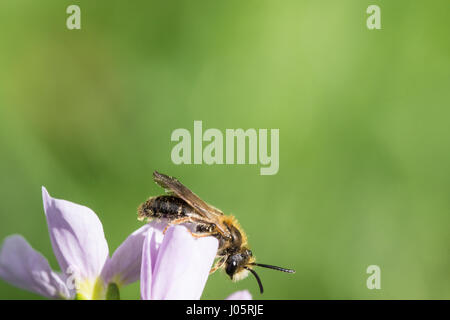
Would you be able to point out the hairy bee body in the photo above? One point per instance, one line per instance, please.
(165, 207)
(172, 207)
(237, 237)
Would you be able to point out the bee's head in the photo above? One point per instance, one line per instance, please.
(236, 263)
(239, 264)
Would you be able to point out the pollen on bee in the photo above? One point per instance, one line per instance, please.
(141, 217)
(240, 275)
(141, 212)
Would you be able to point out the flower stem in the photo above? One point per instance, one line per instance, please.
(112, 292)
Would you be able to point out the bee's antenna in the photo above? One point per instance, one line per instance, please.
(268, 266)
(261, 289)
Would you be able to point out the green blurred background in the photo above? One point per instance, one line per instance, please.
(363, 116)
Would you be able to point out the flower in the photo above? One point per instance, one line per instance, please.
(171, 266)
(176, 266)
(82, 253)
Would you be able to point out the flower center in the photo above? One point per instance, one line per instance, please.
(90, 290)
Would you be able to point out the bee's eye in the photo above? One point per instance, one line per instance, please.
(232, 265)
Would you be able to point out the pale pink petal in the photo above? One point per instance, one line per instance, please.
(183, 265)
(24, 267)
(146, 268)
(124, 267)
(77, 237)
(152, 243)
(240, 295)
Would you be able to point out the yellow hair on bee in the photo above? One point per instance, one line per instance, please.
(242, 274)
(232, 221)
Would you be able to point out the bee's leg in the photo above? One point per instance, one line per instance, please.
(177, 221)
(217, 265)
(183, 220)
(201, 234)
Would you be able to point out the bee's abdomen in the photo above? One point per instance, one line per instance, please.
(164, 207)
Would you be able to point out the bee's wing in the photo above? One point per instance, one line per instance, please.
(174, 186)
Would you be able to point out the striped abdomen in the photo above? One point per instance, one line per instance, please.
(164, 207)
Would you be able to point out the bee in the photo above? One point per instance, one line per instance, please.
(181, 205)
